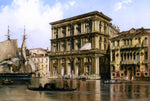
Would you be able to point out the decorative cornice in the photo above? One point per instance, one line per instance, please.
(100, 14)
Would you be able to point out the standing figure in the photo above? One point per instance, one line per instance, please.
(66, 86)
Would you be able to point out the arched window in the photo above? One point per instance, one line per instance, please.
(71, 30)
(146, 68)
(130, 56)
(64, 31)
(134, 55)
(100, 40)
(89, 26)
(124, 56)
(121, 67)
(113, 68)
(121, 56)
(71, 45)
(146, 55)
(137, 57)
(79, 28)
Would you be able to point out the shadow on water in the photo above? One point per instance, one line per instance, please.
(89, 90)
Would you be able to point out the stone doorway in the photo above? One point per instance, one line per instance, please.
(129, 73)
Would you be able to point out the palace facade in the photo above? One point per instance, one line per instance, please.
(40, 60)
(80, 46)
(130, 58)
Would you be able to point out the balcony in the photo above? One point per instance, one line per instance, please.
(129, 62)
(115, 47)
(127, 46)
(144, 61)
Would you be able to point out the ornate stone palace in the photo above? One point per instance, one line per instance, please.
(130, 59)
(80, 46)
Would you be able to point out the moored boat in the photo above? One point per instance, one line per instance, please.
(7, 82)
(49, 87)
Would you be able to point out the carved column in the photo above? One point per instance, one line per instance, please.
(93, 42)
(93, 25)
(75, 29)
(52, 46)
(83, 27)
(67, 45)
(67, 31)
(102, 27)
(81, 66)
(75, 44)
(97, 65)
(52, 31)
(67, 66)
(51, 66)
(96, 42)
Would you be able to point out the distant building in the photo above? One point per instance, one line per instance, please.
(130, 56)
(41, 61)
(80, 46)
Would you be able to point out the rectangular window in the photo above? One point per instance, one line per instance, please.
(137, 57)
(121, 67)
(104, 46)
(71, 45)
(127, 42)
(146, 55)
(118, 43)
(64, 31)
(130, 56)
(71, 31)
(139, 40)
(64, 46)
(56, 33)
(146, 68)
(89, 26)
(79, 28)
(121, 57)
(124, 56)
(113, 56)
(100, 26)
(79, 45)
(138, 67)
(56, 47)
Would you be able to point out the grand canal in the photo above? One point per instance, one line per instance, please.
(89, 90)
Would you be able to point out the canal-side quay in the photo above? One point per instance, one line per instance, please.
(89, 90)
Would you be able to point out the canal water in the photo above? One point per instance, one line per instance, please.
(89, 90)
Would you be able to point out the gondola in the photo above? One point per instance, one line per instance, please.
(49, 87)
(7, 82)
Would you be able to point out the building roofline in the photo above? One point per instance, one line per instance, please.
(82, 16)
(138, 30)
(38, 48)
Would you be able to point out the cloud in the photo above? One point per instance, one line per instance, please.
(72, 3)
(35, 15)
(120, 4)
(69, 4)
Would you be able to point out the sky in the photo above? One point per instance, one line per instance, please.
(35, 16)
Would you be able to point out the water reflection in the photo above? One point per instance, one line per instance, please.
(90, 90)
